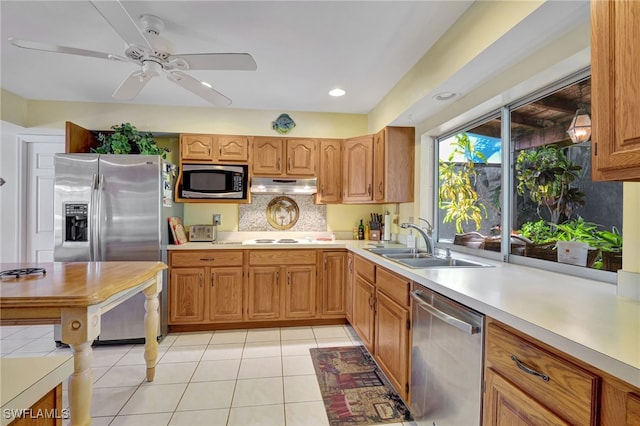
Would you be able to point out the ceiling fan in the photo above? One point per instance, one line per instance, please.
(151, 52)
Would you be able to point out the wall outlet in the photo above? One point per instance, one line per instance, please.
(410, 219)
(217, 219)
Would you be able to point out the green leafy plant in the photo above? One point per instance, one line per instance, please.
(609, 241)
(540, 232)
(126, 139)
(457, 194)
(545, 174)
(577, 230)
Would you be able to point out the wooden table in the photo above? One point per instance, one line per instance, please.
(75, 295)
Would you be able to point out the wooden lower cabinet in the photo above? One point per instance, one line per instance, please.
(507, 405)
(225, 294)
(392, 341)
(334, 266)
(263, 293)
(381, 316)
(300, 292)
(364, 311)
(535, 384)
(186, 295)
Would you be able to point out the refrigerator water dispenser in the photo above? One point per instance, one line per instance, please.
(76, 222)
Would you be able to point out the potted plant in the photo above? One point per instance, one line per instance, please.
(126, 139)
(610, 245)
(541, 240)
(456, 193)
(579, 230)
(545, 174)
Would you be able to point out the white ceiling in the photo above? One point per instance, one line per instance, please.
(302, 48)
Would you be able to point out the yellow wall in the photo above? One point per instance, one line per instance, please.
(631, 227)
(13, 108)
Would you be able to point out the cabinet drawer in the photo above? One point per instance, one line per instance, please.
(282, 257)
(365, 269)
(570, 391)
(394, 286)
(205, 258)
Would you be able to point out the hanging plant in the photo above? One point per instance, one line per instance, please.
(126, 139)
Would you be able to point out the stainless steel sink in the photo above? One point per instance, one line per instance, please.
(440, 262)
(418, 255)
(386, 251)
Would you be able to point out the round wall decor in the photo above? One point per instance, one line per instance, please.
(282, 213)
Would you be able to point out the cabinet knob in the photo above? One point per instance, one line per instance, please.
(213, 278)
(369, 190)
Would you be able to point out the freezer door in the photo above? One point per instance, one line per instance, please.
(130, 203)
(74, 206)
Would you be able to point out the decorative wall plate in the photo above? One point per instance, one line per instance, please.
(282, 213)
(283, 124)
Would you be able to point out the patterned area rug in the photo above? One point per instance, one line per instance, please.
(354, 390)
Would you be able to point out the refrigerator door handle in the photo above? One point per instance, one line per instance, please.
(99, 216)
(92, 218)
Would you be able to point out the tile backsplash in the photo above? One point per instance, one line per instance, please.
(253, 217)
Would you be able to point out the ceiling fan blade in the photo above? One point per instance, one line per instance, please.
(117, 16)
(132, 85)
(219, 61)
(25, 44)
(198, 88)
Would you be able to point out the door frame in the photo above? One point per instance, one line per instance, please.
(23, 141)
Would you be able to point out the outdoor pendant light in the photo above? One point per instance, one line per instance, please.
(580, 128)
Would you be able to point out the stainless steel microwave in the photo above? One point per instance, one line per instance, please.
(214, 181)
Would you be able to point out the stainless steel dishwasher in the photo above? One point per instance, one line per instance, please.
(446, 365)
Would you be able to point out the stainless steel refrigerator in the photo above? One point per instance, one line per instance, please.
(115, 208)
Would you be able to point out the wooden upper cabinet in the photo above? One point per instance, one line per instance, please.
(329, 172)
(284, 157)
(232, 148)
(196, 147)
(393, 158)
(615, 90)
(78, 139)
(357, 170)
(301, 157)
(267, 157)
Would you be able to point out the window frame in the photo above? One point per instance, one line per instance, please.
(508, 194)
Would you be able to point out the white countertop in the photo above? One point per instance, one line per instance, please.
(25, 380)
(581, 317)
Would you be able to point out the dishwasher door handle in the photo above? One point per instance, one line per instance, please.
(451, 320)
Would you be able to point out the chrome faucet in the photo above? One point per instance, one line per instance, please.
(422, 231)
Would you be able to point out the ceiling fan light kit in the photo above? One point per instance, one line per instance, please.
(146, 48)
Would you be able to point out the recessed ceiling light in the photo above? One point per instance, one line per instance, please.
(444, 96)
(204, 83)
(337, 92)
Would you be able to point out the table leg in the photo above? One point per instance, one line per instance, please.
(151, 322)
(80, 326)
(81, 384)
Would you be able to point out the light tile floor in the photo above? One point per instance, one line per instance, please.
(234, 377)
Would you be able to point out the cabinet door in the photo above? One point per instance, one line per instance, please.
(615, 96)
(364, 311)
(232, 148)
(186, 295)
(267, 157)
(225, 294)
(379, 162)
(505, 404)
(330, 172)
(196, 147)
(301, 157)
(333, 283)
(263, 294)
(300, 293)
(348, 298)
(392, 342)
(357, 172)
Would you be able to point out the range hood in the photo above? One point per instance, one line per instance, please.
(284, 186)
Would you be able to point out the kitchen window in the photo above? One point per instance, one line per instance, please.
(555, 217)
